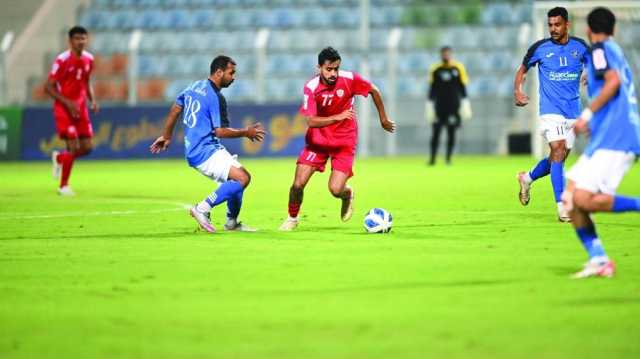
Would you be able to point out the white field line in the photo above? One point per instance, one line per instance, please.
(176, 208)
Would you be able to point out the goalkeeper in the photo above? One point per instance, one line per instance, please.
(447, 103)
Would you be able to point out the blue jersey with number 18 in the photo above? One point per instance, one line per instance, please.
(200, 116)
(616, 126)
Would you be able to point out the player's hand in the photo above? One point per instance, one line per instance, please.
(94, 107)
(581, 126)
(160, 144)
(521, 99)
(388, 125)
(349, 114)
(256, 132)
(429, 112)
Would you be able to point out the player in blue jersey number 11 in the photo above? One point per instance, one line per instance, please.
(560, 60)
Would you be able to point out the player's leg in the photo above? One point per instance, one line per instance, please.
(218, 167)
(599, 263)
(341, 171)
(451, 136)
(557, 155)
(296, 194)
(435, 139)
(234, 203)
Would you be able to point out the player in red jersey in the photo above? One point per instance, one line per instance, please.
(69, 86)
(333, 132)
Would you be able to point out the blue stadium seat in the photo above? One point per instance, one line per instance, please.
(279, 40)
(345, 17)
(264, 18)
(315, 17)
(153, 19)
(174, 88)
(180, 19)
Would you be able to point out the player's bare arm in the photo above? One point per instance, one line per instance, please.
(51, 90)
(162, 142)
(319, 121)
(520, 98)
(387, 124)
(92, 97)
(253, 132)
(609, 89)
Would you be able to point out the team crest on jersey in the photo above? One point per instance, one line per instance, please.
(86, 68)
(340, 92)
(455, 73)
(574, 53)
(445, 76)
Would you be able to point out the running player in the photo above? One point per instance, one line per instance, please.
(560, 61)
(614, 124)
(333, 132)
(69, 85)
(204, 115)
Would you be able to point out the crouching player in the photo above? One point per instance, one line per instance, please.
(613, 122)
(204, 115)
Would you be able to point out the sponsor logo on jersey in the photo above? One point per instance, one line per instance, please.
(563, 76)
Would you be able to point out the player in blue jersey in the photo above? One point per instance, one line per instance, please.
(560, 60)
(614, 125)
(204, 115)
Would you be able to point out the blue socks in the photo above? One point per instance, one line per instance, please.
(541, 169)
(591, 243)
(225, 192)
(234, 204)
(626, 204)
(557, 179)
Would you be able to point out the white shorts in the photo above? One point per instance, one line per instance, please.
(556, 128)
(602, 172)
(217, 167)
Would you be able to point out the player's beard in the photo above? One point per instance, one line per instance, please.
(331, 80)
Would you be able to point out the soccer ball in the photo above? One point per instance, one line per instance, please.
(378, 220)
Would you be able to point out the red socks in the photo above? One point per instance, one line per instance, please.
(66, 160)
(294, 208)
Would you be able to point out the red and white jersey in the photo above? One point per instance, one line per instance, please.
(71, 74)
(324, 100)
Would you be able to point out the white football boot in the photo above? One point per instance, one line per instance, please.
(347, 206)
(202, 218)
(563, 213)
(66, 191)
(234, 225)
(592, 269)
(525, 188)
(289, 224)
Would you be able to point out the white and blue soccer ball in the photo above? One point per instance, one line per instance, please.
(378, 220)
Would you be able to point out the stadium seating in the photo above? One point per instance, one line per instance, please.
(181, 36)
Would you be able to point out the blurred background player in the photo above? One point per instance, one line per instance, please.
(560, 59)
(69, 85)
(447, 103)
(614, 125)
(333, 132)
(204, 115)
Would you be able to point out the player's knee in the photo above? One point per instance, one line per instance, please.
(336, 189)
(582, 200)
(296, 188)
(244, 178)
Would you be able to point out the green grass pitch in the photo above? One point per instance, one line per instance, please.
(119, 271)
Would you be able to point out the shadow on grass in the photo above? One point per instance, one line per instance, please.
(603, 300)
(389, 287)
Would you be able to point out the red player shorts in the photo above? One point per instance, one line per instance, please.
(341, 158)
(68, 127)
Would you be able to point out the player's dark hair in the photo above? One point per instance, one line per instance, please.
(559, 11)
(445, 48)
(601, 20)
(328, 54)
(220, 63)
(78, 30)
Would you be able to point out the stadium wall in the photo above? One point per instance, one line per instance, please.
(126, 132)
(10, 126)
